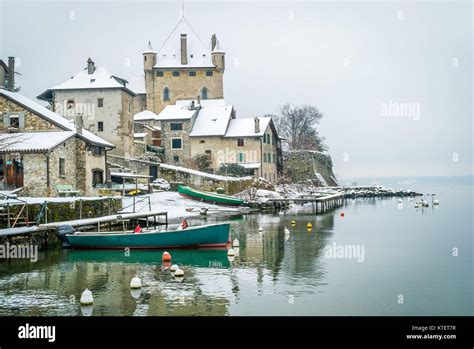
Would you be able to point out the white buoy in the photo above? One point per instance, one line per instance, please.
(86, 297)
(260, 228)
(231, 252)
(136, 293)
(436, 202)
(174, 267)
(136, 283)
(179, 272)
(287, 231)
(231, 258)
(235, 243)
(400, 200)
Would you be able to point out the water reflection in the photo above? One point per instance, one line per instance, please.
(212, 282)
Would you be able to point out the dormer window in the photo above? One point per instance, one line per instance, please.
(164, 56)
(192, 56)
(174, 56)
(92, 80)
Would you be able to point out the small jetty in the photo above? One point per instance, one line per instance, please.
(322, 203)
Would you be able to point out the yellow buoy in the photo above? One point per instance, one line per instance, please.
(293, 222)
(309, 226)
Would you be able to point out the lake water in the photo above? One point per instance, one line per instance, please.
(410, 262)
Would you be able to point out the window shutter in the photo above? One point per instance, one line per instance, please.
(6, 121)
(21, 121)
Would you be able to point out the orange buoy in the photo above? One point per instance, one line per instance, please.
(166, 257)
(342, 214)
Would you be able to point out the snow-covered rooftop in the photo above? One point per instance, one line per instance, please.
(245, 127)
(250, 165)
(198, 54)
(33, 141)
(140, 135)
(52, 117)
(212, 121)
(145, 115)
(176, 112)
(100, 78)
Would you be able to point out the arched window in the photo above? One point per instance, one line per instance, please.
(204, 93)
(166, 94)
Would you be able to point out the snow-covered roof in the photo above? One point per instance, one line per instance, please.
(100, 78)
(33, 141)
(52, 117)
(203, 174)
(140, 135)
(198, 54)
(145, 115)
(212, 121)
(136, 84)
(251, 166)
(176, 112)
(203, 102)
(245, 127)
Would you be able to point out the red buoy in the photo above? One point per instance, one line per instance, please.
(342, 214)
(166, 257)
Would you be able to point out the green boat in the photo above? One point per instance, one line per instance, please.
(203, 236)
(213, 198)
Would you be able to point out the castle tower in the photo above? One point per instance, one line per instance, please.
(218, 55)
(149, 61)
(183, 68)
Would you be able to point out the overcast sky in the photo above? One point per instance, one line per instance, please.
(393, 80)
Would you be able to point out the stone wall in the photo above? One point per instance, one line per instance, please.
(202, 182)
(302, 166)
(137, 166)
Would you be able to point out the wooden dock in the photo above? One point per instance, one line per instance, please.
(320, 203)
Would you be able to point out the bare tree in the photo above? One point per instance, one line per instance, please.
(298, 124)
(7, 140)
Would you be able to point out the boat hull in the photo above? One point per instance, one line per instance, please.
(209, 197)
(208, 236)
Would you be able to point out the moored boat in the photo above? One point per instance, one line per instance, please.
(213, 198)
(203, 236)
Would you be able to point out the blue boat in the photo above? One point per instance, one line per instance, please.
(203, 236)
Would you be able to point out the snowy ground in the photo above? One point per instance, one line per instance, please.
(174, 204)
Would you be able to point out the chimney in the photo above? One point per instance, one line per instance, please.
(79, 123)
(193, 106)
(11, 74)
(90, 66)
(213, 42)
(184, 50)
(198, 100)
(257, 124)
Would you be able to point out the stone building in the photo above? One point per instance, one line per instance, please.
(40, 150)
(104, 100)
(147, 127)
(211, 128)
(183, 68)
